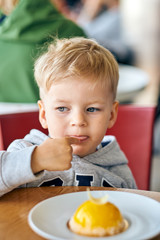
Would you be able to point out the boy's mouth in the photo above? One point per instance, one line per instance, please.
(81, 138)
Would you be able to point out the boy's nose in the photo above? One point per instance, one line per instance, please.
(78, 119)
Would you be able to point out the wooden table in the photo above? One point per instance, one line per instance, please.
(15, 207)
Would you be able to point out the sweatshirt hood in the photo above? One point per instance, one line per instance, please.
(111, 149)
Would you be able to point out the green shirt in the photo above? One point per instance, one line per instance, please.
(23, 36)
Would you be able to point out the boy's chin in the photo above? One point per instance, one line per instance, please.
(81, 152)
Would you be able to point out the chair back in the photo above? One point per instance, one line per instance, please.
(17, 125)
(134, 133)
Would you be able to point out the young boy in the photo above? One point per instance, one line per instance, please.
(78, 80)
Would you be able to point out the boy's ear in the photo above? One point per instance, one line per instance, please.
(42, 114)
(114, 113)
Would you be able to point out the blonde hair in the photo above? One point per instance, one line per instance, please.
(78, 57)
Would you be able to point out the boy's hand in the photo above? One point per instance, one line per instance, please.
(53, 155)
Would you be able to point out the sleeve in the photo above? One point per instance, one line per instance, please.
(15, 166)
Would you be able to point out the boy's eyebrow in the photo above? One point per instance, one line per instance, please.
(88, 103)
(97, 101)
(61, 100)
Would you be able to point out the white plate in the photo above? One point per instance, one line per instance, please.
(49, 217)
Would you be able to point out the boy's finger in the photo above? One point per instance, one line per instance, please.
(72, 140)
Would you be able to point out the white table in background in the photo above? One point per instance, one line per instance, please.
(132, 80)
(6, 108)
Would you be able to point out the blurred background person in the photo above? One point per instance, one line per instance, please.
(24, 32)
(70, 8)
(6, 7)
(102, 21)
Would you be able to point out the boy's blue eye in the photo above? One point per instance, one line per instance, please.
(62, 109)
(92, 109)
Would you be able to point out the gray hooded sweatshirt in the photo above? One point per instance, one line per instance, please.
(107, 167)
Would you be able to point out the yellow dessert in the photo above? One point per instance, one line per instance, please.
(97, 217)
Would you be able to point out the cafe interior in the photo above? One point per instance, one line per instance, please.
(131, 31)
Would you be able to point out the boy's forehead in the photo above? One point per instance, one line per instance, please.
(77, 88)
(73, 81)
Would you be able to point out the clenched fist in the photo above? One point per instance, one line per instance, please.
(53, 154)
